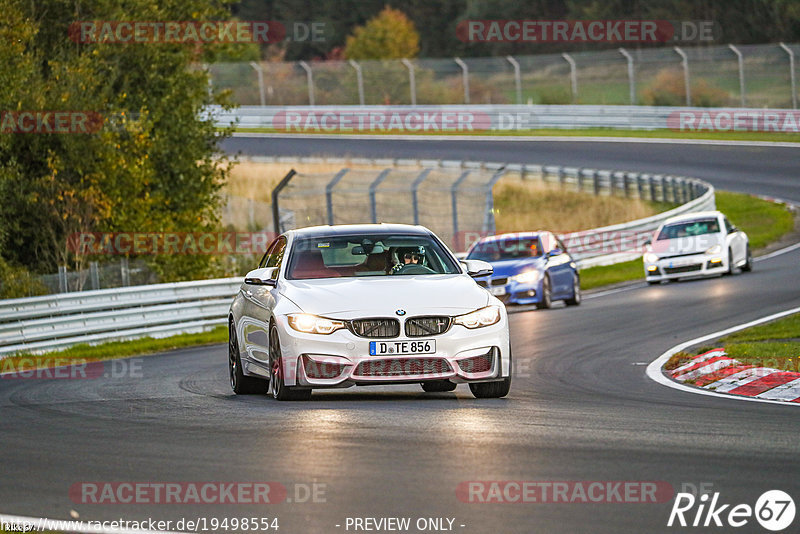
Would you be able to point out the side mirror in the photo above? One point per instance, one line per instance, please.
(734, 229)
(266, 276)
(648, 242)
(555, 252)
(477, 268)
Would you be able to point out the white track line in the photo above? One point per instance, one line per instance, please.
(522, 138)
(654, 369)
(778, 252)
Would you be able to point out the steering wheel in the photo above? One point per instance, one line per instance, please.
(414, 268)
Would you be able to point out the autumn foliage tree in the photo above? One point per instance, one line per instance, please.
(388, 35)
(152, 167)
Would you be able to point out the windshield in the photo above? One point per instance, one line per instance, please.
(368, 255)
(689, 229)
(505, 249)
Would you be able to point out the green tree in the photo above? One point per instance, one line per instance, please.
(152, 167)
(388, 35)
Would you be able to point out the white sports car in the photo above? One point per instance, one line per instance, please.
(337, 306)
(696, 244)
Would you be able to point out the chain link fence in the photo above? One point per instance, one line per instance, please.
(715, 76)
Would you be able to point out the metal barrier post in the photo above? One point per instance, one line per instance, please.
(260, 71)
(372, 187)
(329, 193)
(573, 76)
(517, 78)
(276, 219)
(454, 199)
(464, 78)
(414, 187)
(411, 80)
(791, 74)
(125, 272)
(686, 79)
(62, 279)
(359, 80)
(310, 80)
(94, 275)
(631, 77)
(488, 221)
(741, 71)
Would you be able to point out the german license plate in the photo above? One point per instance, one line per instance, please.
(382, 348)
(497, 291)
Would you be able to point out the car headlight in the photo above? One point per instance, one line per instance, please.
(528, 277)
(714, 250)
(312, 324)
(650, 257)
(479, 318)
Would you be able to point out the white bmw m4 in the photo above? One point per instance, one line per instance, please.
(338, 306)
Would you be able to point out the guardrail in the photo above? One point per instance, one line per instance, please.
(502, 117)
(54, 322)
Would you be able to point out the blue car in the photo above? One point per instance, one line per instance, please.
(529, 268)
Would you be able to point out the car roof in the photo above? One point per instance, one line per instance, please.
(513, 235)
(350, 229)
(693, 216)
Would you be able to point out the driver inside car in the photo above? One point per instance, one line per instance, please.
(409, 256)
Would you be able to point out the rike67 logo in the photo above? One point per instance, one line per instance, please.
(774, 510)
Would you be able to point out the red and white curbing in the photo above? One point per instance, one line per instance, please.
(716, 371)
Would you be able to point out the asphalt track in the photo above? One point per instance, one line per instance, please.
(580, 408)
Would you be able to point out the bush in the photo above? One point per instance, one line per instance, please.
(668, 89)
(16, 282)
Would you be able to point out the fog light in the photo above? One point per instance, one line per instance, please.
(716, 260)
(532, 293)
(652, 268)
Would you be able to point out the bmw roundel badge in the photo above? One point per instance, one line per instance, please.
(400, 312)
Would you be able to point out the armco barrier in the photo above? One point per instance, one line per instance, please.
(502, 117)
(54, 322)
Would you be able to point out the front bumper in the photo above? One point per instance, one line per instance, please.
(342, 359)
(513, 292)
(694, 265)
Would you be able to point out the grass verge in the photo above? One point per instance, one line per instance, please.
(775, 344)
(84, 353)
(585, 132)
(762, 221)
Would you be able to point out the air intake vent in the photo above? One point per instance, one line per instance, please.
(375, 328)
(427, 326)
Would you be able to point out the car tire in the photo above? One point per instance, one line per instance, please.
(730, 262)
(491, 390)
(576, 292)
(748, 260)
(240, 383)
(547, 294)
(438, 386)
(280, 391)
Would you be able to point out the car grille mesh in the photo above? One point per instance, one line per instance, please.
(499, 281)
(476, 364)
(403, 367)
(379, 328)
(427, 326)
(683, 269)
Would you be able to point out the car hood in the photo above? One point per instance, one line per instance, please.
(513, 267)
(349, 298)
(687, 245)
